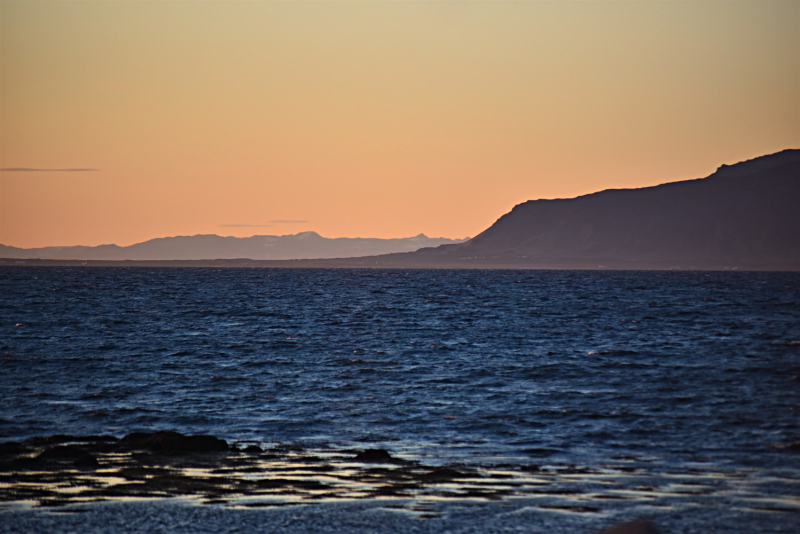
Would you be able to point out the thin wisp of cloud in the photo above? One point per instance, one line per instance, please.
(33, 169)
(244, 225)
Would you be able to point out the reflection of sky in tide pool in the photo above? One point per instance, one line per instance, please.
(655, 389)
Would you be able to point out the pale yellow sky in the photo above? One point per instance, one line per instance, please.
(371, 119)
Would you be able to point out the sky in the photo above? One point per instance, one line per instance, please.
(125, 121)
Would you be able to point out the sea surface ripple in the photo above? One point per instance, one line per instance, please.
(473, 367)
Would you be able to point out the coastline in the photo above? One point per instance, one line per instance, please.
(69, 473)
(400, 261)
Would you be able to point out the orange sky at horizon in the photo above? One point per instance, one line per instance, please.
(371, 119)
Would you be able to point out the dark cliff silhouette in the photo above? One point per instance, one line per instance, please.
(743, 216)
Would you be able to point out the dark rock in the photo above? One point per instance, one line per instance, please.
(86, 461)
(77, 455)
(375, 456)
(169, 442)
(63, 452)
(632, 527)
(253, 449)
(22, 464)
(11, 448)
(442, 474)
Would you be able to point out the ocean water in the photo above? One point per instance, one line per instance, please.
(674, 372)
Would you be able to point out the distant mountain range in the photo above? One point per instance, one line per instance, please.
(744, 216)
(305, 245)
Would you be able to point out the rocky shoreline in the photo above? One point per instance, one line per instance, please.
(63, 470)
